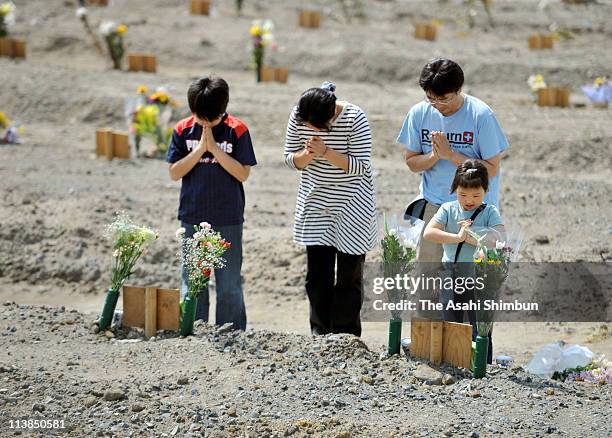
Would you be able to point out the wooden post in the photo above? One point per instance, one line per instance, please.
(563, 95)
(431, 31)
(435, 340)
(6, 47)
(135, 62)
(104, 143)
(315, 19)
(150, 311)
(267, 74)
(535, 42)
(199, 7)
(420, 31)
(304, 20)
(281, 74)
(121, 145)
(546, 41)
(19, 49)
(149, 63)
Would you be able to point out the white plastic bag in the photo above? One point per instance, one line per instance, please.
(554, 357)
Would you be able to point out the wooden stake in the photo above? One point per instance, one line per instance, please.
(121, 145)
(535, 42)
(19, 49)
(281, 74)
(149, 63)
(6, 47)
(435, 339)
(267, 74)
(135, 62)
(563, 95)
(150, 311)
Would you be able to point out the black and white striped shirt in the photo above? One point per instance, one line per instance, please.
(334, 207)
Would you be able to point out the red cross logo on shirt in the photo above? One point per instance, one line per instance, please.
(468, 137)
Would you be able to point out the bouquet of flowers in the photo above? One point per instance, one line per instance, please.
(398, 252)
(7, 17)
(200, 254)
(113, 35)
(599, 372)
(149, 115)
(599, 92)
(81, 14)
(261, 34)
(13, 130)
(536, 83)
(129, 242)
(491, 264)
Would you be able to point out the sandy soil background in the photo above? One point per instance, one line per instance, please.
(57, 197)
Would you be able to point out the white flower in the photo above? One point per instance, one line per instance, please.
(81, 12)
(197, 235)
(392, 232)
(499, 245)
(107, 27)
(205, 225)
(180, 232)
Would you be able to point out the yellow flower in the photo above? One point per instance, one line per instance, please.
(143, 89)
(492, 262)
(600, 81)
(478, 260)
(5, 9)
(173, 103)
(121, 29)
(3, 120)
(256, 30)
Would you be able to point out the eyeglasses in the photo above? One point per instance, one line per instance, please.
(440, 101)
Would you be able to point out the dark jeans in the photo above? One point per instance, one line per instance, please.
(335, 299)
(463, 270)
(230, 298)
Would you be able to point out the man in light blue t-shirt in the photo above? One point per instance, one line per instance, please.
(440, 133)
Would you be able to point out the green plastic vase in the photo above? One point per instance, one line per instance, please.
(188, 316)
(109, 309)
(480, 357)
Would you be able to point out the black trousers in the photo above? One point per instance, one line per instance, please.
(335, 297)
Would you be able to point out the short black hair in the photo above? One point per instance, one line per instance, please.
(208, 97)
(441, 76)
(317, 106)
(471, 174)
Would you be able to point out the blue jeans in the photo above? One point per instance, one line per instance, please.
(230, 298)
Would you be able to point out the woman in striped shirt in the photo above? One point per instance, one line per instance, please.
(330, 142)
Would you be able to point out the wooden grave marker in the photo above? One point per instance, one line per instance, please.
(12, 48)
(309, 19)
(199, 7)
(540, 41)
(441, 341)
(151, 308)
(281, 74)
(554, 96)
(425, 31)
(112, 144)
(142, 62)
(266, 73)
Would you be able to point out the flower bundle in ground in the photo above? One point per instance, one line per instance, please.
(7, 17)
(129, 242)
(149, 116)
(599, 91)
(536, 83)
(200, 254)
(491, 265)
(113, 35)
(13, 130)
(398, 253)
(81, 14)
(261, 34)
(599, 372)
